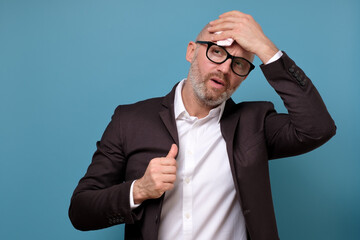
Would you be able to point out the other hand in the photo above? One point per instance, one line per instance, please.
(159, 177)
(245, 31)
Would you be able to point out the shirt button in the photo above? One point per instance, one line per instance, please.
(187, 180)
(187, 215)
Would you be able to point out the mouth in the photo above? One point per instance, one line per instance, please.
(218, 81)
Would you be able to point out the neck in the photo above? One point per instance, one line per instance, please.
(193, 105)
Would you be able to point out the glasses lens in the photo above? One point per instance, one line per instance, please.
(240, 66)
(216, 54)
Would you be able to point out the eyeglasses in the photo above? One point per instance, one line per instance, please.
(218, 54)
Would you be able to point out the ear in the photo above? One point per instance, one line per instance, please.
(190, 51)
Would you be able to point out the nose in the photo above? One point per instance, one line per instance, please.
(225, 67)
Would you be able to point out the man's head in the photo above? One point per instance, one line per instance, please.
(213, 83)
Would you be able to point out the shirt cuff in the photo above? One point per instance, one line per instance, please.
(275, 57)
(132, 204)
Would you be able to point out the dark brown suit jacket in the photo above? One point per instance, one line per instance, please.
(253, 131)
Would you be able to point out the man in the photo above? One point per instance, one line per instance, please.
(193, 164)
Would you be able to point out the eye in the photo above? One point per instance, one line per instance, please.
(238, 63)
(217, 51)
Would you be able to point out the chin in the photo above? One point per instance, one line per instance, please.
(215, 101)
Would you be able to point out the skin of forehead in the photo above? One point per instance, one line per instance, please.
(204, 35)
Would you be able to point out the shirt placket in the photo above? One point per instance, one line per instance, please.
(188, 183)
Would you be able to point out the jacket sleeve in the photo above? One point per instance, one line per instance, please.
(307, 124)
(101, 198)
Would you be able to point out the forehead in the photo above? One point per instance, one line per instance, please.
(236, 50)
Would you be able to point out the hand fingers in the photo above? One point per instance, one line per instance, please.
(168, 178)
(224, 20)
(173, 151)
(168, 165)
(163, 165)
(168, 186)
(221, 27)
(170, 169)
(235, 19)
(233, 14)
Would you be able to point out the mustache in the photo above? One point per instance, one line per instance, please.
(220, 75)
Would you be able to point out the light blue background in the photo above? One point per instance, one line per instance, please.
(65, 66)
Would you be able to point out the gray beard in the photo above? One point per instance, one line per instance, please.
(200, 90)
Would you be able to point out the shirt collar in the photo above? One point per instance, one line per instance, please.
(179, 108)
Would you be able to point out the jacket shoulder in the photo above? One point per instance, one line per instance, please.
(138, 109)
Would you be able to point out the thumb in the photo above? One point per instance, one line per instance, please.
(173, 151)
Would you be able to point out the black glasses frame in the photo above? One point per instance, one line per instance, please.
(209, 44)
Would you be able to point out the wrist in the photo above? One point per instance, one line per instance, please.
(267, 52)
(139, 195)
(133, 205)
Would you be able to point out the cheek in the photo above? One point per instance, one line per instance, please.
(205, 66)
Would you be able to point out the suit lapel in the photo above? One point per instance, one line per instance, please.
(228, 124)
(167, 115)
